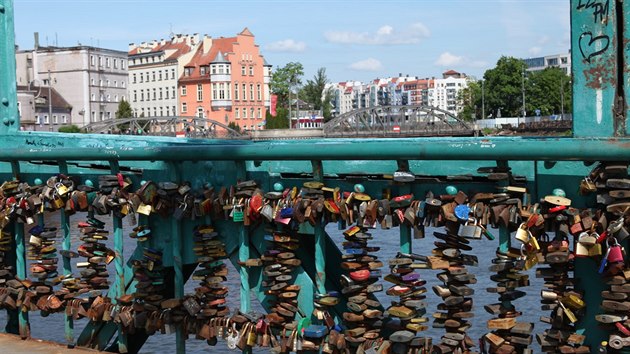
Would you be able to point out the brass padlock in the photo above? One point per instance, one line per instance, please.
(144, 209)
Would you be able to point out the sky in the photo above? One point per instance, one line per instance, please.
(353, 39)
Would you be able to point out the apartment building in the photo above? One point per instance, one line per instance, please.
(91, 80)
(445, 91)
(154, 70)
(562, 61)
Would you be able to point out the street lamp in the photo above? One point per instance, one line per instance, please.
(483, 100)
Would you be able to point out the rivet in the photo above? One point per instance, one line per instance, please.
(278, 187)
(359, 188)
(5, 101)
(38, 181)
(2, 8)
(143, 182)
(5, 121)
(451, 190)
(89, 183)
(12, 120)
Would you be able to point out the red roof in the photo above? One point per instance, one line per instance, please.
(223, 45)
(451, 72)
(180, 48)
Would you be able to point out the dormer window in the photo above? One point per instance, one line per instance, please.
(188, 71)
(203, 70)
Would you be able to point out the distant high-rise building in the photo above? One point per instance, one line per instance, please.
(562, 61)
(91, 80)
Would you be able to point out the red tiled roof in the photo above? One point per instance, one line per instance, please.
(451, 72)
(179, 48)
(223, 45)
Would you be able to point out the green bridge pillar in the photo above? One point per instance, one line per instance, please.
(9, 117)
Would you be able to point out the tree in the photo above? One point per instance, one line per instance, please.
(547, 90)
(234, 126)
(315, 92)
(284, 81)
(124, 111)
(503, 87)
(280, 121)
(470, 99)
(69, 129)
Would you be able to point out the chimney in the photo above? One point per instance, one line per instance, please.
(36, 40)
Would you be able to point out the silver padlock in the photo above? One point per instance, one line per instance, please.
(470, 231)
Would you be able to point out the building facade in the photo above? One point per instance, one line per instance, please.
(227, 80)
(154, 70)
(562, 61)
(92, 80)
(445, 91)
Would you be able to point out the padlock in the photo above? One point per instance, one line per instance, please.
(615, 251)
(144, 209)
(470, 231)
(587, 186)
(522, 233)
(61, 189)
(237, 213)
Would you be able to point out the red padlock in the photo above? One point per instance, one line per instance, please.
(557, 209)
(602, 237)
(615, 252)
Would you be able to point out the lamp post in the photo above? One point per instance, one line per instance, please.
(523, 91)
(50, 101)
(561, 98)
(483, 100)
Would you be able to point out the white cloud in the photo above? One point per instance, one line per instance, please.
(448, 59)
(385, 35)
(369, 64)
(543, 40)
(287, 45)
(535, 50)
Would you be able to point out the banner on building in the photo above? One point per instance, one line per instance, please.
(274, 102)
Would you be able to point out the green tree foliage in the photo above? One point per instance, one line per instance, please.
(315, 92)
(280, 121)
(285, 80)
(234, 126)
(124, 110)
(503, 89)
(69, 129)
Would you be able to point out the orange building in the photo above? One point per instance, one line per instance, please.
(227, 80)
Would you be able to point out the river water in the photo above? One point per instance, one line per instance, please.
(51, 327)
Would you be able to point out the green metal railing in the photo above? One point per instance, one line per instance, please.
(600, 129)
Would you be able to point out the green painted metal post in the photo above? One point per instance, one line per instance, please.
(243, 250)
(119, 262)
(320, 236)
(595, 44)
(176, 239)
(20, 260)
(9, 117)
(67, 266)
(405, 230)
(504, 232)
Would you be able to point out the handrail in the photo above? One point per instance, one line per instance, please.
(515, 149)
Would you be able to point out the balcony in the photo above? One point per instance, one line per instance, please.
(220, 77)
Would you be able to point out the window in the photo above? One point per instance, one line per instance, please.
(244, 91)
(93, 117)
(174, 113)
(215, 96)
(141, 77)
(251, 92)
(199, 92)
(92, 61)
(258, 92)
(141, 95)
(202, 70)
(183, 90)
(160, 93)
(213, 68)
(46, 120)
(221, 68)
(184, 107)
(55, 119)
(200, 112)
(108, 98)
(142, 112)
(236, 91)
(92, 81)
(237, 113)
(115, 83)
(172, 74)
(173, 92)
(564, 60)
(162, 111)
(106, 83)
(115, 63)
(221, 91)
(100, 83)
(93, 97)
(107, 62)
(122, 63)
(251, 111)
(64, 119)
(160, 75)
(187, 71)
(100, 61)
(244, 113)
(154, 95)
(153, 75)
(109, 115)
(166, 93)
(259, 113)
(101, 115)
(251, 70)
(243, 70)
(155, 111)
(122, 84)
(115, 98)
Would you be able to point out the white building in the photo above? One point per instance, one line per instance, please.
(444, 92)
(92, 80)
(154, 69)
(562, 61)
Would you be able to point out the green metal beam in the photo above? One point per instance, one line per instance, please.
(512, 148)
(9, 117)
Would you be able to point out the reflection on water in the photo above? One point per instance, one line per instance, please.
(51, 327)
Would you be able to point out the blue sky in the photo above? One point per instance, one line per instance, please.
(353, 40)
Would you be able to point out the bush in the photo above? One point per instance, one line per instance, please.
(69, 129)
